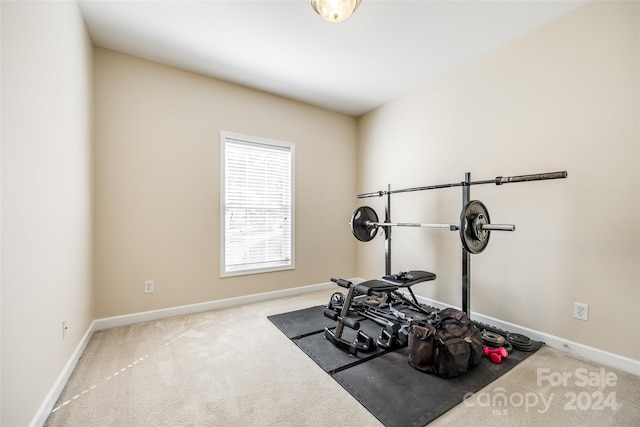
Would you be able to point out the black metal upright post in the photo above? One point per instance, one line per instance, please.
(387, 233)
(466, 256)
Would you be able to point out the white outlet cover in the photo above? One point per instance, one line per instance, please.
(148, 286)
(580, 311)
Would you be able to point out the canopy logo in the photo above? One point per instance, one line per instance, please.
(586, 400)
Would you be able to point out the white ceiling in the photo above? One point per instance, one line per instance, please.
(385, 49)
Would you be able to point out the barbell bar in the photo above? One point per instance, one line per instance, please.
(475, 225)
(499, 180)
(451, 227)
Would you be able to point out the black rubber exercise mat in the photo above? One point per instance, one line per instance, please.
(400, 396)
(303, 322)
(383, 381)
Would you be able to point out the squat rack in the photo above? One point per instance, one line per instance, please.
(466, 198)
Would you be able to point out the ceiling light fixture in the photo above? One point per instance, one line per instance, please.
(335, 10)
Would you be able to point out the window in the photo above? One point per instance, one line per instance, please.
(256, 205)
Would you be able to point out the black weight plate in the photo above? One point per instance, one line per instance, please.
(507, 346)
(519, 338)
(492, 340)
(468, 235)
(360, 223)
(522, 347)
(520, 342)
(337, 298)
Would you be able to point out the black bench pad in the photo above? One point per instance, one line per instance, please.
(370, 287)
(409, 278)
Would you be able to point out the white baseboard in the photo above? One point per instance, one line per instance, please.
(591, 354)
(145, 316)
(52, 397)
(109, 322)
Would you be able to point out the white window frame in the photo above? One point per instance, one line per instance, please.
(226, 137)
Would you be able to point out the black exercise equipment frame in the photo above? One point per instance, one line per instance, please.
(466, 198)
(395, 323)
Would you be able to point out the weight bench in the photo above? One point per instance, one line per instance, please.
(363, 342)
(407, 279)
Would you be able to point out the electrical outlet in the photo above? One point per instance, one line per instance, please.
(65, 328)
(581, 311)
(148, 286)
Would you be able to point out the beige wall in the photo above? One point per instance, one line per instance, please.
(157, 182)
(46, 198)
(565, 97)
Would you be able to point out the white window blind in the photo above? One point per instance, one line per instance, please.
(257, 204)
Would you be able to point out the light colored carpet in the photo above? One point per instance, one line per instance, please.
(232, 367)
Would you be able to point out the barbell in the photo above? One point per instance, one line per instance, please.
(475, 225)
